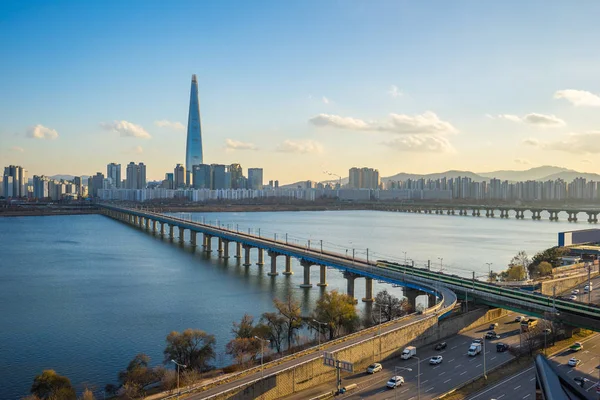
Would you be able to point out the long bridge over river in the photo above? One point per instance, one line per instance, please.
(442, 289)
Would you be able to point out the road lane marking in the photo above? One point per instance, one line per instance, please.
(442, 373)
(425, 381)
(569, 371)
(459, 365)
(464, 342)
(478, 365)
(452, 348)
(404, 391)
(517, 387)
(464, 372)
(499, 397)
(493, 358)
(526, 396)
(532, 379)
(447, 381)
(430, 389)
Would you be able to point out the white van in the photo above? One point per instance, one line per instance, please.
(409, 352)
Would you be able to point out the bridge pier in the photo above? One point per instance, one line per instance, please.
(208, 247)
(322, 276)
(171, 234)
(536, 215)
(220, 248)
(193, 238)
(411, 297)
(572, 216)
(147, 224)
(238, 250)
(162, 229)
(369, 290)
(431, 300)
(350, 278)
(273, 263)
(553, 215)
(306, 283)
(247, 256)
(592, 217)
(181, 234)
(154, 227)
(225, 249)
(261, 257)
(288, 266)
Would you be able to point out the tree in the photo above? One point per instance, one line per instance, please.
(87, 395)
(275, 331)
(552, 255)
(520, 259)
(515, 273)
(244, 347)
(544, 269)
(192, 347)
(50, 385)
(245, 328)
(338, 311)
(138, 375)
(291, 313)
(389, 306)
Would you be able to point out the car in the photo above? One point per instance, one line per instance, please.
(375, 367)
(501, 347)
(580, 380)
(493, 326)
(575, 291)
(572, 297)
(576, 346)
(477, 341)
(394, 382)
(492, 335)
(440, 346)
(520, 318)
(587, 288)
(435, 360)
(573, 362)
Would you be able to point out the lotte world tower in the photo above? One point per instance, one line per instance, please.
(193, 149)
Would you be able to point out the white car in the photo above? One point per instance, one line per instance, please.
(575, 291)
(394, 382)
(573, 362)
(587, 288)
(375, 367)
(520, 318)
(572, 297)
(435, 360)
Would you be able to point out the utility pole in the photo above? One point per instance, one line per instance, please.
(589, 283)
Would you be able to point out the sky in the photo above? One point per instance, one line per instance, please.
(299, 88)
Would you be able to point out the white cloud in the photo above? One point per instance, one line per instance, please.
(300, 146)
(531, 142)
(522, 161)
(575, 143)
(231, 144)
(394, 91)
(126, 129)
(421, 143)
(41, 132)
(163, 123)
(17, 148)
(578, 97)
(426, 123)
(325, 100)
(134, 150)
(542, 120)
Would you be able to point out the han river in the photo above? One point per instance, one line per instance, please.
(84, 294)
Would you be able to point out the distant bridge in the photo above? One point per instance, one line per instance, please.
(437, 285)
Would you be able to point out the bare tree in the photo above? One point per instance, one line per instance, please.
(389, 307)
(290, 311)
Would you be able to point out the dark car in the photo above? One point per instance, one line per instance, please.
(492, 335)
(440, 346)
(580, 380)
(501, 347)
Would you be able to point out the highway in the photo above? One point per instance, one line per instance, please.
(456, 368)
(522, 384)
(582, 296)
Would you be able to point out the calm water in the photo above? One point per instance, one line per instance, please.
(84, 294)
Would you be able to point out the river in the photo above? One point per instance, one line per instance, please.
(84, 294)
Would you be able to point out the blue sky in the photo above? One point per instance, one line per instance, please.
(301, 87)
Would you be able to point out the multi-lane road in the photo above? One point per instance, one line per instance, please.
(456, 368)
(522, 384)
(582, 296)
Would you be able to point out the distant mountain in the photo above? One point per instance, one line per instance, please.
(532, 174)
(67, 177)
(569, 175)
(448, 174)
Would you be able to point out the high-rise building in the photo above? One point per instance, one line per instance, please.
(40, 187)
(113, 172)
(14, 182)
(179, 177)
(365, 178)
(235, 170)
(136, 176)
(77, 182)
(255, 178)
(221, 179)
(202, 176)
(142, 183)
(193, 150)
(96, 183)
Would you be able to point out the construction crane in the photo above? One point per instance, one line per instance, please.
(336, 175)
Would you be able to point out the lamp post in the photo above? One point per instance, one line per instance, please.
(484, 371)
(441, 263)
(489, 264)
(319, 330)
(418, 377)
(404, 257)
(178, 365)
(379, 305)
(396, 372)
(262, 352)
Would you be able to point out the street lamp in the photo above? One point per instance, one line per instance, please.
(441, 263)
(404, 257)
(379, 305)
(418, 377)
(319, 330)
(396, 368)
(484, 371)
(262, 341)
(489, 271)
(182, 366)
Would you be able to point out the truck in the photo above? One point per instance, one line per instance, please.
(528, 324)
(408, 352)
(474, 349)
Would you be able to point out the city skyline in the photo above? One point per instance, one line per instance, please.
(397, 87)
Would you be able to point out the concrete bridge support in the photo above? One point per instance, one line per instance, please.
(225, 249)
(193, 238)
(147, 224)
(247, 256)
(553, 215)
(592, 217)
(288, 266)
(261, 257)
(208, 247)
(273, 263)
(350, 278)
(181, 234)
(171, 234)
(536, 215)
(220, 248)
(306, 265)
(205, 240)
(162, 229)
(154, 227)
(238, 250)
(322, 276)
(411, 297)
(572, 216)
(369, 290)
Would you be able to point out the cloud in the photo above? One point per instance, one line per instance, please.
(394, 91)
(163, 123)
(422, 144)
(17, 149)
(300, 147)
(578, 97)
(231, 144)
(325, 100)
(134, 150)
(41, 132)
(575, 143)
(536, 119)
(426, 123)
(522, 161)
(126, 129)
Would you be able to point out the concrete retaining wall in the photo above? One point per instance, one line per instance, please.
(563, 284)
(388, 345)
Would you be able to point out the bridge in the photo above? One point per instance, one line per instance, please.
(491, 211)
(440, 288)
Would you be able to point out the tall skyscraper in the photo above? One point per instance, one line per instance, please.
(255, 178)
(136, 176)
(14, 182)
(202, 176)
(236, 176)
(193, 149)
(113, 171)
(179, 177)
